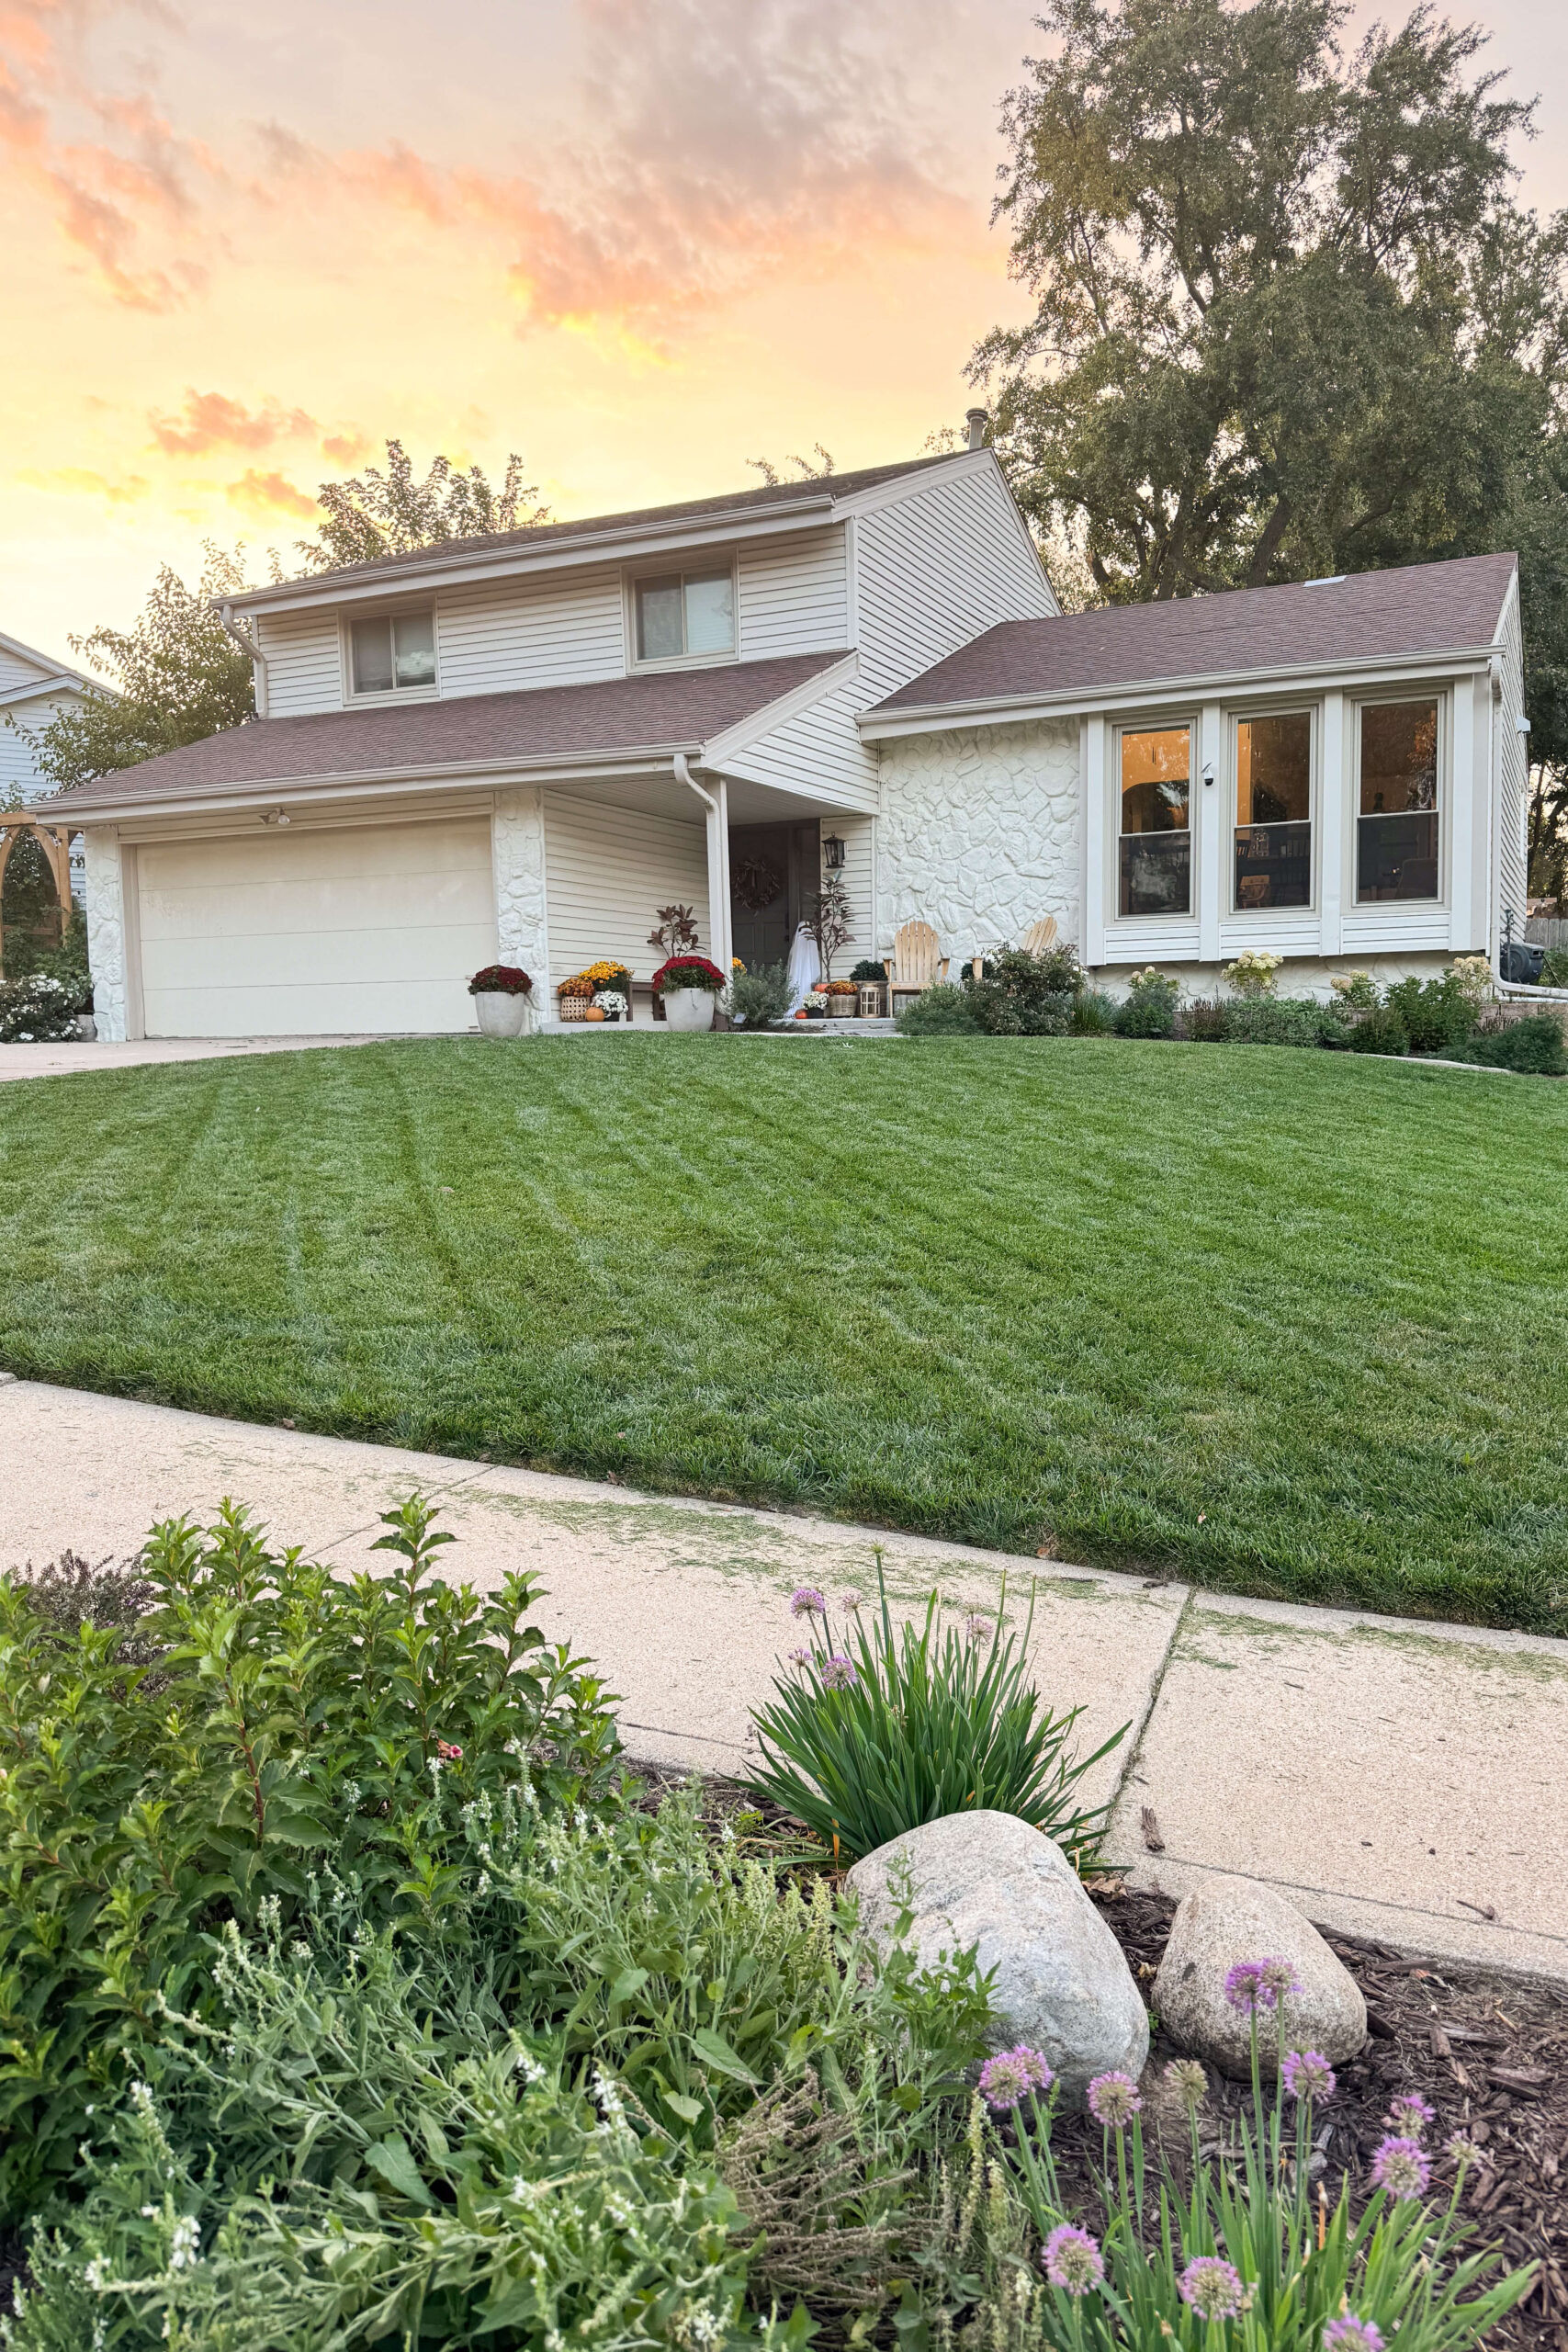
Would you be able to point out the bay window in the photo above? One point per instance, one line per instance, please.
(1154, 845)
(1397, 823)
(1273, 810)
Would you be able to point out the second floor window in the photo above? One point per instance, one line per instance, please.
(681, 615)
(1397, 828)
(1156, 844)
(393, 650)
(1273, 810)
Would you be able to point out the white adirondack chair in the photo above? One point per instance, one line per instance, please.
(916, 964)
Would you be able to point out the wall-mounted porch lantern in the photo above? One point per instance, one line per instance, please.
(833, 853)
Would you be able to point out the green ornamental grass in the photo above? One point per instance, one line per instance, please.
(886, 1729)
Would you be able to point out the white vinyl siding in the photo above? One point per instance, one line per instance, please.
(859, 837)
(607, 872)
(18, 674)
(818, 751)
(794, 597)
(304, 663)
(500, 636)
(19, 771)
(936, 570)
(315, 931)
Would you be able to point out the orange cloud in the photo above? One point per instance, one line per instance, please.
(82, 481)
(213, 420)
(266, 496)
(347, 448)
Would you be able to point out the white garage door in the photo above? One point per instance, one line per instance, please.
(296, 932)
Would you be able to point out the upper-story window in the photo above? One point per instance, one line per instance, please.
(1155, 843)
(1273, 810)
(684, 615)
(391, 650)
(1396, 828)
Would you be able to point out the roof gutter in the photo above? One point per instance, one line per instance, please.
(258, 659)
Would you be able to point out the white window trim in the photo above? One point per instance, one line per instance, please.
(1160, 723)
(630, 579)
(1443, 696)
(1235, 719)
(401, 610)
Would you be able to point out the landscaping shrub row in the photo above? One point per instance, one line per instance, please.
(1451, 1017)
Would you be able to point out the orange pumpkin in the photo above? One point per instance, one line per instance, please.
(594, 1012)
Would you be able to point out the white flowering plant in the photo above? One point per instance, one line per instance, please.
(37, 1011)
(1255, 973)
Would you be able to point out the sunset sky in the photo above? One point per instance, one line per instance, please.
(640, 240)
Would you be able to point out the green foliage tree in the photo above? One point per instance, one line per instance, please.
(175, 673)
(1289, 320)
(387, 513)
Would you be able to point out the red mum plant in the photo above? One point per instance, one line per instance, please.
(687, 972)
(500, 979)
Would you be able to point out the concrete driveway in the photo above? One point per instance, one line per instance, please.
(63, 1060)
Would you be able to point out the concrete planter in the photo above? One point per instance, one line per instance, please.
(689, 1008)
(502, 1014)
(87, 1028)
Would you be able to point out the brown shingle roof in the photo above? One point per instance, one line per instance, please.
(545, 536)
(669, 711)
(1371, 615)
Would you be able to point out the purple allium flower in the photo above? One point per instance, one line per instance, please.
(976, 1627)
(1186, 2078)
(1244, 1987)
(1114, 2100)
(1464, 2150)
(1072, 2260)
(1011, 2075)
(807, 1601)
(1352, 2334)
(1213, 2287)
(838, 1672)
(1401, 2167)
(1277, 1980)
(801, 1658)
(1308, 2074)
(1409, 2112)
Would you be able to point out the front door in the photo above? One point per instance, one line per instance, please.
(773, 869)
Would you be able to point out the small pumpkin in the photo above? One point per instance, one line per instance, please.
(594, 1012)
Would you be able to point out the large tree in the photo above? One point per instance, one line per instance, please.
(381, 513)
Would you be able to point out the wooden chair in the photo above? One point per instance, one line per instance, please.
(916, 964)
(1038, 940)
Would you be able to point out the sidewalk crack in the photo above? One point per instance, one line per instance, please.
(1157, 1685)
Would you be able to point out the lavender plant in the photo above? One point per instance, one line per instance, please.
(876, 1732)
(1247, 2257)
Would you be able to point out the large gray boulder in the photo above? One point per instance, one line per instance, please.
(1231, 1919)
(989, 1879)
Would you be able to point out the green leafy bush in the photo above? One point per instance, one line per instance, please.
(1378, 1032)
(1439, 1015)
(866, 1741)
(1533, 1046)
(1207, 1021)
(1286, 1021)
(1094, 1013)
(290, 1715)
(1021, 995)
(940, 1011)
(868, 969)
(760, 998)
(1554, 969)
(1149, 1007)
(38, 1010)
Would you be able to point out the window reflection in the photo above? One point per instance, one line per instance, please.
(1396, 826)
(1156, 842)
(1273, 832)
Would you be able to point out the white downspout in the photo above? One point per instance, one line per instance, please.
(719, 942)
(258, 659)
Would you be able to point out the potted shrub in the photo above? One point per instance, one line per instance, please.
(843, 999)
(500, 994)
(689, 987)
(870, 977)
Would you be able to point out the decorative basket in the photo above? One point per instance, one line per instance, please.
(574, 1008)
(842, 1006)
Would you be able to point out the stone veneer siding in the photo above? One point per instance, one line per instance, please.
(517, 853)
(980, 834)
(106, 930)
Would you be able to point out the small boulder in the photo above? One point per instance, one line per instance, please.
(987, 1879)
(1231, 1919)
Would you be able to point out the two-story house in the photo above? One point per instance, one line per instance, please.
(519, 747)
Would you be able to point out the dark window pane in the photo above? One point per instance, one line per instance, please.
(1154, 773)
(1399, 759)
(1156, 874)
(1273, 774)
(373, 657)
(659, 635)
(1273, 866)
(1396, 857)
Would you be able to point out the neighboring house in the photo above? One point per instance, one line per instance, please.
(34, 688)
(521, 746)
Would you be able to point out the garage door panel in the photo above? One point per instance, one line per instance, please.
(308, 933)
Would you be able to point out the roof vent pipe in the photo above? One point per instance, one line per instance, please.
(976, 418)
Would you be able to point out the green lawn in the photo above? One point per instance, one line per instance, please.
(1289, 1323)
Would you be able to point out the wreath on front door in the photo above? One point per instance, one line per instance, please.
(756, 884)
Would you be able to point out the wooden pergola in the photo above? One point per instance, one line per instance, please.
(55, 842)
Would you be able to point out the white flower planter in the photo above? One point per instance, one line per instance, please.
(501, 1013)
(689, 1008)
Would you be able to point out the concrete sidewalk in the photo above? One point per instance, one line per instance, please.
(1400, 1780)
(70, 1055)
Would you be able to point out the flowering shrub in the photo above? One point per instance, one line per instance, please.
(613, 1001)
(1357, 992)
(500, 979)
(687, 972)
(876, 1733)
(37, 1011)
(1020, 995)
(1148, 1009)
(1254, 973)
(603, 975)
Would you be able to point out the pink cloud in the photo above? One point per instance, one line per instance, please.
(267, 495)
(213, 420)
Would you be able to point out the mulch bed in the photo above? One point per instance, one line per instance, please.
(1489, 2051)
